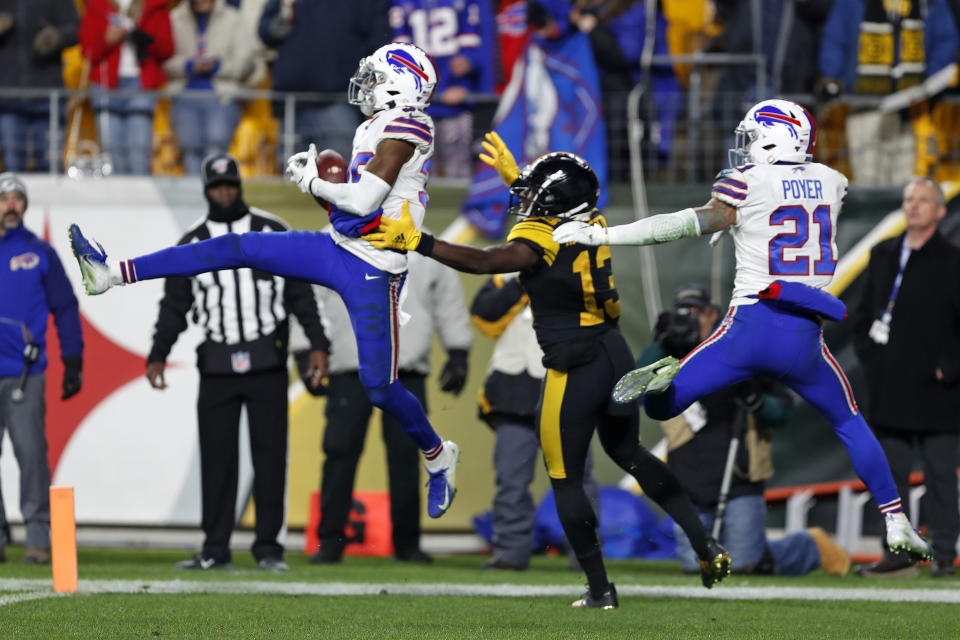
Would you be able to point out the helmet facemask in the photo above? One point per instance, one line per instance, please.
(740, 153)
(360, 91)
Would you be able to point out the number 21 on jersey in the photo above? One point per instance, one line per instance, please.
(812, 236)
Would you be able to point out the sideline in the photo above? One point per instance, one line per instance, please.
(31, 589)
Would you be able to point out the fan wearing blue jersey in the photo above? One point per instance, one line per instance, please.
(781, 210)
(389, 166)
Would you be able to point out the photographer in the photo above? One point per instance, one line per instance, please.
(698, 442)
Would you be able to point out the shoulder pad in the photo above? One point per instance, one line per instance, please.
(539, 233)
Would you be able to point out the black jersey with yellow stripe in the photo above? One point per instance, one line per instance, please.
(571, 289)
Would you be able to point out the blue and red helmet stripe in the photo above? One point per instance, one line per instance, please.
(813, 131)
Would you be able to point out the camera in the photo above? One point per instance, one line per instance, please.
(678, 331)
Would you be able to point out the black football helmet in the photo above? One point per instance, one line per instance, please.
(558, 184)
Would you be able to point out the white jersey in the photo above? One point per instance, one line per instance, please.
(402, 123)
(786, 226)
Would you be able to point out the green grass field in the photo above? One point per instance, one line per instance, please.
(138, 594)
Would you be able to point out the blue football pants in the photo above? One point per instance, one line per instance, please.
(761, 340)
(370, 295)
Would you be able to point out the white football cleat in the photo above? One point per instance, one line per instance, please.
(442, 485)
(901, 536)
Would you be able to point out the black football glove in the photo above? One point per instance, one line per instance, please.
(72, 378)
(454, 374)
(302, 359)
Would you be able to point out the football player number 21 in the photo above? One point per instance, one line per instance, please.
(799, 238)
(592, 314)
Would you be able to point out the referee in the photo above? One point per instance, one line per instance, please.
(242, 361)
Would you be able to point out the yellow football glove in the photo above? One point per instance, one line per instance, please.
(499, 157)
(396, 234)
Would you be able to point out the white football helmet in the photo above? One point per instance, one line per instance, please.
(396, 75)
(774, 131)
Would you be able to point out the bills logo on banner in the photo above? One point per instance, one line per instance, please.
(240, 361)
(24, 261)
(551, 104)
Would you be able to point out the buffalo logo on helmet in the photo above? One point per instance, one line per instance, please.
(402, 62)
(770, 116)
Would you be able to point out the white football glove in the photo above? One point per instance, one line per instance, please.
(302, 168)
(591, 235)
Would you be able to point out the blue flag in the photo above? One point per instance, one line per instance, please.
(551, 104)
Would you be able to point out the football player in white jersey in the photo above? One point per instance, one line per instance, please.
(390, 165)
(781, 209)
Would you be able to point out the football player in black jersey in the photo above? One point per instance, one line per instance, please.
(575, 311)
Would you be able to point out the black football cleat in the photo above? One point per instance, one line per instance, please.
(717, 565)
(607, 600)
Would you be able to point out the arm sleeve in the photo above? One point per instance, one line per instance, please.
(298, 298)
(172, 317)
(359, 198)
(450, 309)
(64, 307)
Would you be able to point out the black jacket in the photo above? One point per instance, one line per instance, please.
(214, 303)
(904, 392)
(321, 49)
(20, 63)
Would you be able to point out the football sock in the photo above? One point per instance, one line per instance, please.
(408, 411)
(661, 486)
(580, 526)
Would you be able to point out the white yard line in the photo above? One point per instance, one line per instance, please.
(29, 589)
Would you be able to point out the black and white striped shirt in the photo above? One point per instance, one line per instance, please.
(234, 305)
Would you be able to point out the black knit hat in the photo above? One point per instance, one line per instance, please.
(692, 295)
(220, 168)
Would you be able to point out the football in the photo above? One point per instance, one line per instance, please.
(330, 167)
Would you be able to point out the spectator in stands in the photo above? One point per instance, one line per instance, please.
(126, 43)
(318, 43)
(208, 56)
(451, 31)
(434, 300)
(617, 30)
(34, 286)
(908, 339)
(698, 445)
(508, 404)
(513, 33)
(785, 32)
(32, 36)
(860, 35)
